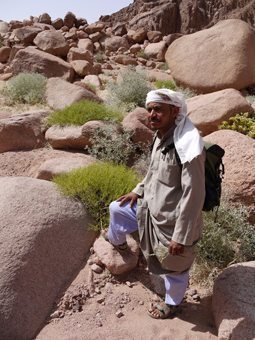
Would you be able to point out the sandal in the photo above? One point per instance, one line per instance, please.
(121, 247)
(162, 311)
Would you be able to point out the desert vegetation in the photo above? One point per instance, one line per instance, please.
(27, 88)
(241, 122)
(226, 240)
(81, 113)
(97, 186)
(130, 91)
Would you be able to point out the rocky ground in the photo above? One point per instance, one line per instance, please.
(97, 306)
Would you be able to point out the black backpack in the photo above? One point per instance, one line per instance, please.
(214, 171)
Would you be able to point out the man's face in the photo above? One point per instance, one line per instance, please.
(162, 116)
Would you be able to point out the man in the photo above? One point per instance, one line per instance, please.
(166, 206)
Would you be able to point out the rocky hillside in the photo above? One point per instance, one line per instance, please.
(181, 16)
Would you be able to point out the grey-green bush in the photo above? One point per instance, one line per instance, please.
(111, 145)
(97, 186)
(26, 88)
(229, 240)
(130, 92)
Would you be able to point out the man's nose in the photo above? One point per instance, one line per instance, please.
(152, 112)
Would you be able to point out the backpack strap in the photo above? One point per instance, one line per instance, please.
(170, 147)
(167, 149)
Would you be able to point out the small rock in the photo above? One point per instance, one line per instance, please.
(141, 303)
(156, 298)
(100, 300)
(97, 290)
(119, 314)
(191, 292)
(109, 287)
(196, 297)
(129, 284)
(96, 268)
(55, 315)
(90, 262)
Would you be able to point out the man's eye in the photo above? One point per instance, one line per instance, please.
(155, 109)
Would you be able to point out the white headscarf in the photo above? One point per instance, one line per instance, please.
(187, 140)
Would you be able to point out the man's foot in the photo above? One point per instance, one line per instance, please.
(121, 247)
(162, 311)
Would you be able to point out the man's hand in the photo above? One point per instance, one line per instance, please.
(175, 248)
(132, 197)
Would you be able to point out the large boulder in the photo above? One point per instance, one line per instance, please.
(23, 131)
(32, 60)
(156, 50)
(60, 165)
(154, 36)
(137, 36)
(124, 59)
(28, 162)
(44, 240)
(25, 35)
(112, 44)
(214, 59)
(233, 302)
(4, 27)
(86, 44)
(60, 93)
(52, 42)
(238, 182)
(73, 137)
(44, 18)
(4, 54)
(70, 20)
(209, 110)
(137, 124)
(82, 67)
(76, 53)
(94, 28)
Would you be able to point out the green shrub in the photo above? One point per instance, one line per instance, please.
(229, 240)
(142, 54)
(130, 92)
(243, 123)
(111, 145)
(99, 57)
(166, 84)
(25, 88)
(164, 66)
(170, 84)
(81, 113)
(97, 186)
